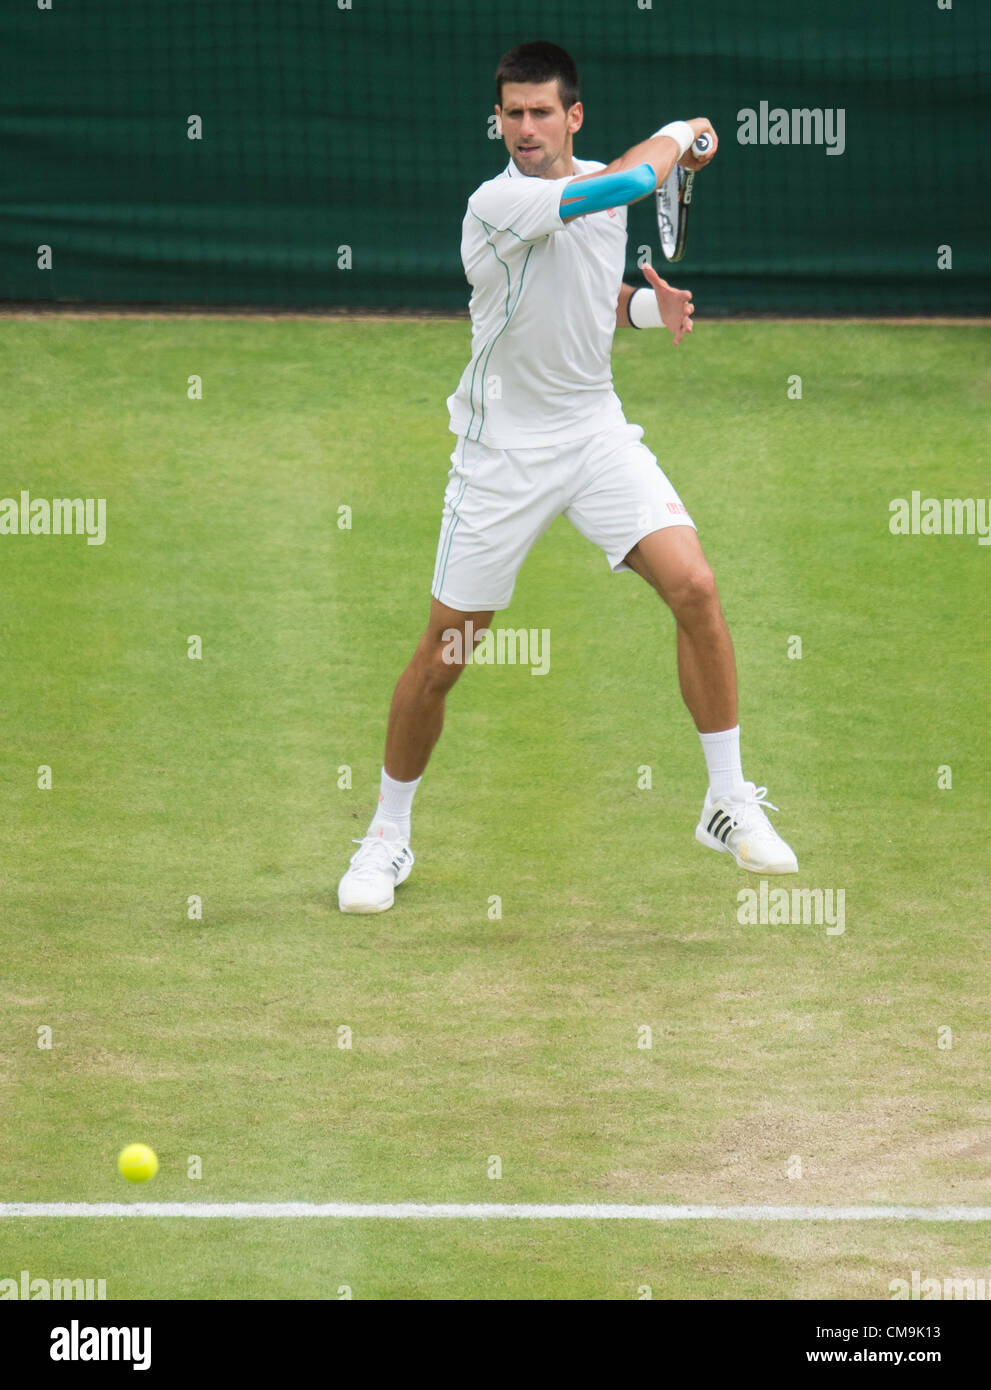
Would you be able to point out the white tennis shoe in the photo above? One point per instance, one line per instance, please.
(381, 863)
(737, 825)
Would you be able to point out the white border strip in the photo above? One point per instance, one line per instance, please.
(482, 1211)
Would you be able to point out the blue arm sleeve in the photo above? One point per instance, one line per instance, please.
(607, 191)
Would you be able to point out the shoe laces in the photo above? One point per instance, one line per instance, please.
(751, 805)
(374, 856)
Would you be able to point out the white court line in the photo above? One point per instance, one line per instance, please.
(484, 1211)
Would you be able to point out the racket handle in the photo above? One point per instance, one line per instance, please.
(702, 144)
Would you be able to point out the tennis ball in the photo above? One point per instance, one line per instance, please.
(138, 1163)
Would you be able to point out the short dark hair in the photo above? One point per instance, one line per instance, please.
(540, 62)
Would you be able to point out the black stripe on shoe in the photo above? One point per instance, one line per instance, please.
(720, 826)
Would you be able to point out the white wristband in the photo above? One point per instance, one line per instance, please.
(644, 310)
(678, 131)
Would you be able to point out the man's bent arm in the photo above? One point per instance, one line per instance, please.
(606, 190)
(628, 178)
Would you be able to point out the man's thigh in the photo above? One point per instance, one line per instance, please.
(624, 496)
(497, 504)
(671, 561)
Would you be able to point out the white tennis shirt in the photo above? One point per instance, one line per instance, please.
(543, 315)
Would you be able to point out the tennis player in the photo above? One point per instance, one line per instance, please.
(544, 248)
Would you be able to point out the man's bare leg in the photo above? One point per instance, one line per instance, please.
(384, 859)
(672, 562)
(417, 713)
(732, 820)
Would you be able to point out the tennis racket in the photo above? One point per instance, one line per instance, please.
(674, 198)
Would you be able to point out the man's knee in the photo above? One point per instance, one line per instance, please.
(444, 651)
(446, 646)
(693, 594)
(440, 663)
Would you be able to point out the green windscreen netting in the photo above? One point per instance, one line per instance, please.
(338, 141)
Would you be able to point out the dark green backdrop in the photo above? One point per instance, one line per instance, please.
(366, 127)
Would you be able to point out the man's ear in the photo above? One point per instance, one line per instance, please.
(498, 115)
(575, 117)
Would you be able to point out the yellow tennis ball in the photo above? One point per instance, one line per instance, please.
(138, 1163)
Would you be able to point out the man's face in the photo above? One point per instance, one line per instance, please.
(537, 129)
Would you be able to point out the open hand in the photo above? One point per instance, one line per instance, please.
(675, 305)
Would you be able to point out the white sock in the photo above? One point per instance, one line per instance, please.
(396, 802)
(722, 758)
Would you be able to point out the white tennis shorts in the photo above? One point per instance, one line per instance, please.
(499, 502)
